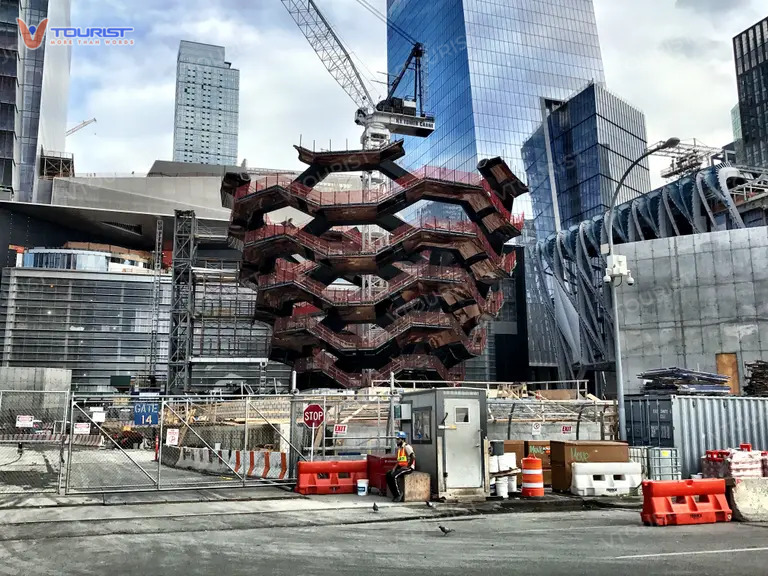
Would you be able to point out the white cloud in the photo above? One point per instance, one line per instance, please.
(674, 63)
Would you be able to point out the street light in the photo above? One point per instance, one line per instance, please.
(616, 267)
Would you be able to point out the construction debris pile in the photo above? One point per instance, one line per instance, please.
(757, 380)
(681, 381)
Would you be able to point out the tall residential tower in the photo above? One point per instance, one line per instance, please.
(207, 106)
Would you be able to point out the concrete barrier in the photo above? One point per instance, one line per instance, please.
(749, 499)
(605, 478)
(252, 463)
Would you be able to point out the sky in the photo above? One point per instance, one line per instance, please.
(670, 58)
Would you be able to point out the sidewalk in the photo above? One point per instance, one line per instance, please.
(275, 498)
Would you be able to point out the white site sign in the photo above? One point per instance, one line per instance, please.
(536, 429)
(25, 421)
(82, 428)
(172, 436)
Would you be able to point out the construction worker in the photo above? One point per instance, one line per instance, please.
(406, 463)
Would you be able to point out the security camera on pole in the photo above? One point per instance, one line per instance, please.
(616, 270)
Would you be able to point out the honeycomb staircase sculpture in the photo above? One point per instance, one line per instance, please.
(441, 278)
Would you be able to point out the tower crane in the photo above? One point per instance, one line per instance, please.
(80, 126)
(392, 115)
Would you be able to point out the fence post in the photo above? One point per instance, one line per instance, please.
(325, 425)
(65, 403)
(160, 441)
(71, 436)
(245, 439)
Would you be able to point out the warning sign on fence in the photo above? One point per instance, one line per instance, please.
(172, 437)
(25, 421)
(82, 428)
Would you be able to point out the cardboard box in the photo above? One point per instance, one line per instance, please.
(540, 449)
(564, 454)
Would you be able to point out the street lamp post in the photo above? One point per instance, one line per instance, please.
(616, 268)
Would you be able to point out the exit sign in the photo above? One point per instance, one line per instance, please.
(340, 430)
(567, 429)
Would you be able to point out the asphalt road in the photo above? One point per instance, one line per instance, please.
(358, 542)
(37, 470)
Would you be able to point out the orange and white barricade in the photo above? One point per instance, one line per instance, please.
(533, 478)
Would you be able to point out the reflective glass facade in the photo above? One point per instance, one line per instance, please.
(750, 49)
(207, 106)
(34, 88)
(489, 63)
(591, 140)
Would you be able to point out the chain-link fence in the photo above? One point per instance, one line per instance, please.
(81, 444)
(171, 443)
(352, 426)
(32, 436)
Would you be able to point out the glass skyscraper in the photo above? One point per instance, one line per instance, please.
(750, 49)
(584, 146)
(207, 106)
(488, 64)
(34, 89)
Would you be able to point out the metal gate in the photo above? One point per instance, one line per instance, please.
(353, 426)
(32, 437)
(173, 443)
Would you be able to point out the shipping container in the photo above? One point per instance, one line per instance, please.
(695, 424)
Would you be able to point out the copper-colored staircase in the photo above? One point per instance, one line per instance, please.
(441, 278)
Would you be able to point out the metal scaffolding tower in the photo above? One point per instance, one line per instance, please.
(156, 297)
(182, 301)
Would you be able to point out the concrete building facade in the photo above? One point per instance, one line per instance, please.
(696, 301)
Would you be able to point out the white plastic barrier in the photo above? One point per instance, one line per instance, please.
(252, 463)
(605, 478)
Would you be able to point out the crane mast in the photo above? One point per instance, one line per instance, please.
(379, 121)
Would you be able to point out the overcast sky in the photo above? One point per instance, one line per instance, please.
(671, 58)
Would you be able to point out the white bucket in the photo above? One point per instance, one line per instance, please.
(502, 487)
(505, 462)
(494, 464)
(492, 486)
(512, 484)
(362, 487)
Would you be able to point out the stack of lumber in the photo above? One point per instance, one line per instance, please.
(757, 380)
(682, 381)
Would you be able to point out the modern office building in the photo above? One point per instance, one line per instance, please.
(34, 95)
(207, 106)
(489, 64)
(738, 137)
(575, 159)
(750, 49)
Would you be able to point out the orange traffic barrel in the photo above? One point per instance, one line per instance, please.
(533, 478)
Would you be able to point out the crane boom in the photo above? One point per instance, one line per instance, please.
(79, 126)
(329, 49)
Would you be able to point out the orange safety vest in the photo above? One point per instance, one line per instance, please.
(402, 457)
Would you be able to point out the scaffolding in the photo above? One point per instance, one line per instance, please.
(182, 301)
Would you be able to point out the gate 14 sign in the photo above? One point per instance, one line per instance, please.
(314, 416)
(146, 414)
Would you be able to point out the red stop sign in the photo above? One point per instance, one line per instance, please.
(314, 415)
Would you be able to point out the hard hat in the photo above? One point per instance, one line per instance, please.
(401, 435)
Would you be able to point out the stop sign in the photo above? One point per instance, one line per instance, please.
(314, 415)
